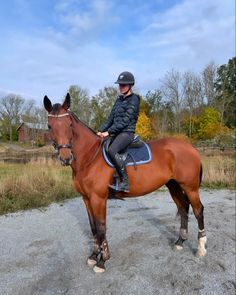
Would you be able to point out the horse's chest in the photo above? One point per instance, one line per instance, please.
(77, 182)
(78, 186)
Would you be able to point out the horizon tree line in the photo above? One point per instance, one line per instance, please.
(173, 107)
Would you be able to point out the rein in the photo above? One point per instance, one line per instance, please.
(69, 146)
(96, 153)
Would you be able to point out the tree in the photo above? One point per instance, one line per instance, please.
(226, 93)
(209, 124)
(167, 118)
(193, 95)
(144, 127)
(153, 98)
(80, 103)
(209, 78)
(145, 107)
(11, 108)
(29, 112)
(173, 91)
(101, 106)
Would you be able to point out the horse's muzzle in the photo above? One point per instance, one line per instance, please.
(67, 161)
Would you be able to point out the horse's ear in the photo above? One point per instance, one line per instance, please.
(66, 103)
(47, 103)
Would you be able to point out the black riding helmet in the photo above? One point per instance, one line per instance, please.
(125, 78)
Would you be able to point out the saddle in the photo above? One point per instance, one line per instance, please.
(138, 152)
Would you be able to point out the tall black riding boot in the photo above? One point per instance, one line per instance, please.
(123, 185)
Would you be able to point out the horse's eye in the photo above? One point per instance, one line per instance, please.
(49, 127)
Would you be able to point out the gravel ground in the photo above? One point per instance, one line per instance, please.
(45, 251)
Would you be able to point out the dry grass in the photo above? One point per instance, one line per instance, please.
(218, 171)
(39, 183)
(24, 186)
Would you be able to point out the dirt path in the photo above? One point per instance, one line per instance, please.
(44, 252)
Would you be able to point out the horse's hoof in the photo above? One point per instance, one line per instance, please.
(178, 247)
(91, 262)
(98, 269)
(201, 253)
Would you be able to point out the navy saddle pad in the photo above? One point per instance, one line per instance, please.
(141, 155)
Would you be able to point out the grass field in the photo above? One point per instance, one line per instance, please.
(24, 186)
(218, 171)
(37, 184)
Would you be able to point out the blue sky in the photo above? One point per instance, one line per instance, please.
(46, 46)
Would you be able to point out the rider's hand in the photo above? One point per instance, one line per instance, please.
(105, 134)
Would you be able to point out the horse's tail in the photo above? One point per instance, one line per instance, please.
(200, 175)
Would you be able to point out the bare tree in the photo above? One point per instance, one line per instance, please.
(209, 75)
(28, 113)
(173, 90)
(11, 107)
(41, 115)
(193, 95)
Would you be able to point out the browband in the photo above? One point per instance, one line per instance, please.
(58, 116)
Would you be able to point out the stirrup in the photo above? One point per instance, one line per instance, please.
(118, 188)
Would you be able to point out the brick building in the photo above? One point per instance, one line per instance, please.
(34, 133)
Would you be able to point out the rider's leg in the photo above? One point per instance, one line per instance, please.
(120, 142)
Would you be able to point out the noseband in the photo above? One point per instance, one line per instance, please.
(60, 146)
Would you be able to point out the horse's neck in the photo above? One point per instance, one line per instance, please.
(85, 141)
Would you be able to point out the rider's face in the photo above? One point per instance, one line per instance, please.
(124, 88)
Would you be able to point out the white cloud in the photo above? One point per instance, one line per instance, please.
(89, 20)
(187, 36)
(43, 66)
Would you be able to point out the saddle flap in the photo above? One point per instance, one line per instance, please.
(107, 143)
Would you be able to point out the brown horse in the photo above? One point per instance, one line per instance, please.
(175, 164)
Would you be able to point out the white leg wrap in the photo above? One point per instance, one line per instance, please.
(178, 247)
(98, 269)
(91, 262)
(201, 247)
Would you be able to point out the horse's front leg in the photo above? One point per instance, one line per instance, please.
(98, 207)
(93, 258)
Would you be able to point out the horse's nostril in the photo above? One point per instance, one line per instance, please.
(71, 159)
(67, 161)
(63, 161)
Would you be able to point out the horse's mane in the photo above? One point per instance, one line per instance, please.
(81, 122)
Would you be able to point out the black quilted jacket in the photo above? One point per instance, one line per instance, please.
(123, 116)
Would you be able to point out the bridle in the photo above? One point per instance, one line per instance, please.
(56, 146)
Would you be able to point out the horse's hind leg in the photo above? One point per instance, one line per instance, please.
(182, 204)
(198, 209)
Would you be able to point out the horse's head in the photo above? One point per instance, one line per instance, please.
(60, 128)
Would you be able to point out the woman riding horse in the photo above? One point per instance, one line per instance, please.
(121, 125)
(175, 163)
